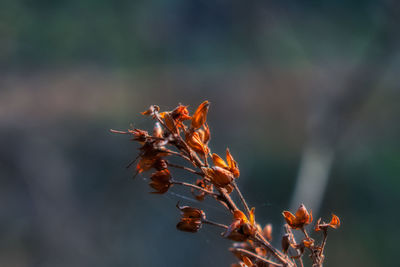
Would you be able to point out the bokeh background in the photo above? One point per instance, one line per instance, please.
(304, 93)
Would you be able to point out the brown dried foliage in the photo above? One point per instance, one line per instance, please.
(172, 137)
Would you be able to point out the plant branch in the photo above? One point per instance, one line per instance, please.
(323, 242)
(195, 187)
(249, 253)
(241, 198)
(185, 168)
(260, 238)
(215, 224)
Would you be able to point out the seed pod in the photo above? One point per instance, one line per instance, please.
(285, 243)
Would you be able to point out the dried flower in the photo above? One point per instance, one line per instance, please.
(195, 142)
(160, 164)
(231, 164)
(204, 134)
(217, 181)
(161, 181)
(219, 176)
(191, 219)
(242, 227)
(201, 194)
(299, 220)
(334, 223)
(180, 114)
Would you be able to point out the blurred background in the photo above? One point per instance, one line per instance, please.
(304, 93)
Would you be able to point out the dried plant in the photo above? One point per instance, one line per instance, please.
(173, 137)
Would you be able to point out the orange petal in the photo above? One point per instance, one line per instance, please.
(170, 123)
(252, 217)
(247, 261)
(289, 217)
(218, 161)
(302, 215)
(206, 134)
(310, 218)
(200, 116)
(335, 222)
(196, 144)
(219, 176)
(162, 114)
(308, 243)
(239, 215)
(233, 166)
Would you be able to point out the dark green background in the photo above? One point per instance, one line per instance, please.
(71, 70)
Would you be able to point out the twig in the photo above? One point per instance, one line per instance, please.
(249, 253)
(305, 233)
(215, 224)
(118, 132)
(195, 187)
(323, 243)
(225, 196)
(185, 168)
(260, 238)
(288, 230)
(241, 198)
(177, 154)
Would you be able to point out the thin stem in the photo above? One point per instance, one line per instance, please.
(301, 262)
(195, 187)
(305, 233)
(241, 198)
(133, 161)
(185, 168)
(249, 253)
(260, 238)
(288, 230)
(215, 224)
(323, 243)
(118, 132)
(231, 204)
(177, 154)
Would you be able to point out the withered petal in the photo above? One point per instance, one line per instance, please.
(239, 215)
(247, 261)
(289, 217)
(252, 216)
(218, 161)
(232, 164)
(335, 222)
(200, 115)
